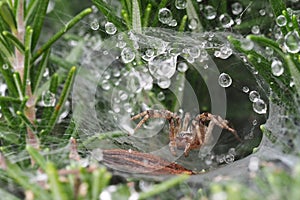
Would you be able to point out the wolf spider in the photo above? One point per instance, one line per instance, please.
(189, 135)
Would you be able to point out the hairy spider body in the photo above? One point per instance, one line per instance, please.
(186, 134)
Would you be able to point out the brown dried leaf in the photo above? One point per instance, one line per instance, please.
(142, 163)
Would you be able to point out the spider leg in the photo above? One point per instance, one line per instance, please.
(172, 137)
(217, 120)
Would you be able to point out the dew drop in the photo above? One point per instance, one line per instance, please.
(165, 15)
(255, 29)
(193, 24)
(94, 25)
(277, 67)
(194, 51)
(245, 89)
(122, 95)
(163, 65)
(180, 4)
(229, 158)
(105, 85)
(254, 96)
(164, 82)
(160, 96)
(127, 55)
(182, 67)
(48, 99)
(110, 28)
(224, 53)
(225, 80)
(5, 66)
(269, 51)
(209, 12)
(247, 44)
(262, 12)
(173, 23)
(292, 42)
(259, 106)
(237, 8)
(281, 20)
(127, 107)
(226, 20)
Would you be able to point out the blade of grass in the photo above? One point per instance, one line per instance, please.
(56, 186)
(26, 120)
(99, 181)
(36, 79)
(14, 40)
(37, 157)
(147, 15)
(136, 16)
(164, 186)
(7, 15)
(28, 37)
(61, 32)
(294, 72)
(183, 23)
(18, 84)
(62, 99)
(21, 178)
(192, 14)
(39, 20)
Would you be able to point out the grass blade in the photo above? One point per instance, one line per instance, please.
(63, 98)
(14, 40)
(39, 20)
(37, 157)
(36, 79)
(136, 16)
(61, 32)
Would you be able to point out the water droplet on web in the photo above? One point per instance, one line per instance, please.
(105, 85)
(224, 52)
(229, 158)
(254, 123)
(194, 51)
(255, 29)
(253, 164)
(165, 15)
(269, 51)
(127, 55)
(122, 95)
(173, 23)
(65, 112)
(254, 96)
(180, 4)
(245, 89)
(160, 96)
(164, 82)
(262, 12)
(48, 99)
(277, 67)
(110, 28)
(94, 25)
(226, 20)
(182, 67)
(209, 12)
(247, 44)
(127, 107)
(292, 42)
(5, 66)
(259, 106)
(163, 65)
(193, 24)
(237, 8)
(225, 80)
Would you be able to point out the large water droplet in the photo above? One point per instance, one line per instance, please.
(165, 15)
(254, 96)
(180, 4)
(237, 8)
(160, 96)
(277, 67)
(281, 20)
(110, 28)
(48, 99)
(247, 44)
(224, 52)
(226, 20)
(209, 12)
(127, 55)
(225, 80)
(163, 65)
(292, 42)
(260, 106)
(5, 66)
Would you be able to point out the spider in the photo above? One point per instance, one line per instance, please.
(186, 134)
